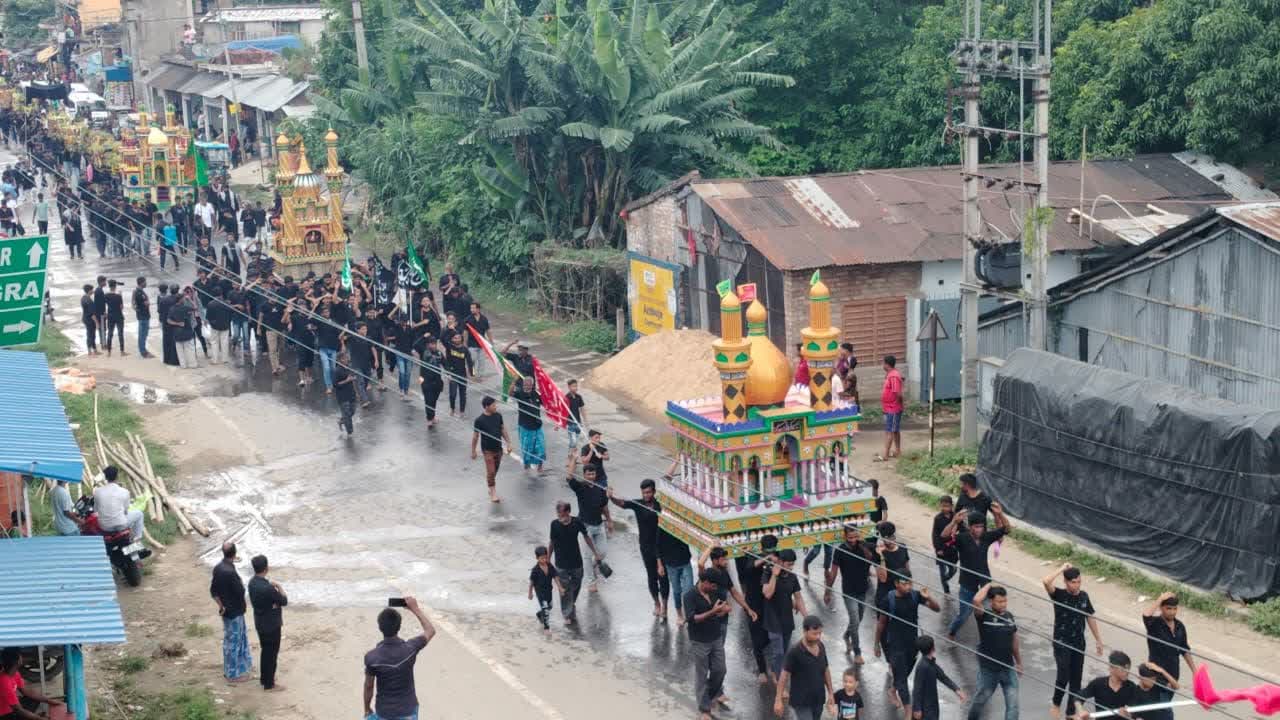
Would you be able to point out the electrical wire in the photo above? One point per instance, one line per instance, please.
(443, 373)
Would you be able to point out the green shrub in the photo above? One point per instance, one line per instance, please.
(591, 335)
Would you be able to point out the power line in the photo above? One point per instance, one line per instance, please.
(517, 404)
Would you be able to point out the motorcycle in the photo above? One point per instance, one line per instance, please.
(125, 552)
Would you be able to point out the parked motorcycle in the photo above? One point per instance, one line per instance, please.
(125, 552)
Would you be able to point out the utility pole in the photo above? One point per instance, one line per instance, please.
(362, 54)
(1020, 61)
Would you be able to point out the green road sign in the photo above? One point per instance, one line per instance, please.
(23, 262)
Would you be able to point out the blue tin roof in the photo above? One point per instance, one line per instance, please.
(34, 435)
(57, 591)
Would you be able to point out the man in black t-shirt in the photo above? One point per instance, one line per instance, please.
(719, 559)
(593, 504)
(1167, 637)
(971, 499)
(892, 558)
(267, 598)
(1072, 609)
(972, 546)
(897, 629)
(142, 312)
(491, 435)
(567, 555)
(218, 315)
(706, 611)
(782, 597)
(647, 509)
(806, 672)
(999, 656)
(596, 453)
(115, 316)
(853, 562)
(477, 321)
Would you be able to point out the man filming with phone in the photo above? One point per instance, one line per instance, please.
(388, 667)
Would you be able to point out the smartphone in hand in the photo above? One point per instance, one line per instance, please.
(396, 602)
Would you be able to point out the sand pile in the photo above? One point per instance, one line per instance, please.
(674, 365)
(73, 380)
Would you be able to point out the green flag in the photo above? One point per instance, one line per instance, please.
(723, 287)
(415, 262)
(346, 269)
(202, 170)
(817, 277)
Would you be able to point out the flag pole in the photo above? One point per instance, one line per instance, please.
(1144, 708)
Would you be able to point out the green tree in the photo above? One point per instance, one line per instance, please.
(22, 20)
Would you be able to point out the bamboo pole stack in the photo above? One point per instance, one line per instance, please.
(135, 462)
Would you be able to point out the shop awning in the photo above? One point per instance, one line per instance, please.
(271, 96)
(35, 438)
(171, 77)
(47, 54)
(57, 591)
(221, 90)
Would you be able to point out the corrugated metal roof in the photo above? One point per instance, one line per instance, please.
(222, 89)
(274, 93)
(1263, 218)
(267, 14)
(915, 214)
(171, 77)
(34, 435)
(1231, 178)
(201, 82)
(57, 591)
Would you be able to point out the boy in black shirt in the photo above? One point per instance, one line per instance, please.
(577, 416)
(944, 548)
(344, 389)
(429, 376)
(142, 312)
(491, 434)
(893, 558)
(1154, 686)
(1113, 691)
(1072, 609)
(750, 572)
(924, 686)
(897, 629)
(541, 577)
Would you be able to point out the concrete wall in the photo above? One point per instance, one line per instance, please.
(153, 29)
(308, 31)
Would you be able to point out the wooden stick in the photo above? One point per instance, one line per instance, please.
(138, 475)
(97, 434)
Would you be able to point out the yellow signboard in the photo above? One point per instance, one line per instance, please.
(652, 294)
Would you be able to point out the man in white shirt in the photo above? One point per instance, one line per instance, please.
(205, 213)
(111, 501)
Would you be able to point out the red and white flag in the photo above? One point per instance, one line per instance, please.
(553, 399)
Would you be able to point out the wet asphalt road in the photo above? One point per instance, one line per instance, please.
(348, 523)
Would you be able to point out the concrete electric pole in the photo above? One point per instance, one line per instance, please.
(1021, 61)
(362, 53)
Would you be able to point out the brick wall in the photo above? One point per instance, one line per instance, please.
(651, 230)
(853, 282)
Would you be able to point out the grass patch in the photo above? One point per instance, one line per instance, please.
(53, 343)
(943, 469)
(1264, 617)
(593, 335)
(130, 664)
(540, 325)
(196, 629)
(181, 705)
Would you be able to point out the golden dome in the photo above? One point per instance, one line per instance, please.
(331, 136)
(769, 377)
(730, 301)
(818, 291)
(282, 140)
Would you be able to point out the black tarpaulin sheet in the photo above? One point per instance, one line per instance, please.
(1186, 484)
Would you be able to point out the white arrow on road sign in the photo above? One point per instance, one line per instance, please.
(18, 327)
(34, 255)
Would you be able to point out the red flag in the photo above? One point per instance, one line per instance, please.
(1265, 698)
(553, 399)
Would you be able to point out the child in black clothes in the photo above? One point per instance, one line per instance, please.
(541, 577)
(848, 701)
